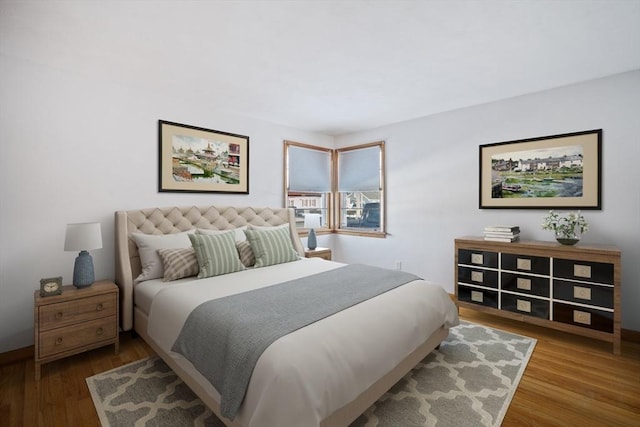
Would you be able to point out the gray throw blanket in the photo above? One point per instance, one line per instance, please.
(223, 338)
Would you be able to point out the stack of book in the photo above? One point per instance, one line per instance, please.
(502, 233)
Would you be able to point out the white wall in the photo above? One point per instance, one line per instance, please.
(432, 179)
(73, 149)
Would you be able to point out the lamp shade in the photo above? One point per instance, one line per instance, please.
(83, 236)
(312, 220)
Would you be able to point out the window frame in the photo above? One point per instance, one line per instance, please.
(333, 198)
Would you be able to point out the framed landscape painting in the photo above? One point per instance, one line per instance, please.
(550, 172)
(195, 159)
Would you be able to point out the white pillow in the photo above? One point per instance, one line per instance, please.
(239, 232)
(266, 227)
(148, 245)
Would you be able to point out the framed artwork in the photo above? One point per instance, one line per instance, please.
(195, 159)
(550, 172)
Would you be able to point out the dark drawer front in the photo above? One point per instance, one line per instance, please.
(527, 264)
(526, 284)
(524, 305)
(583, 270)
(584, 293)
(478, 296)
(479, 277)
(585, 317)
(479, 258)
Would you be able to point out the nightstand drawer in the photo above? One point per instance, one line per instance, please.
(79, 310)
(84, 334)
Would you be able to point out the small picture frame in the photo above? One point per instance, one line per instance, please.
(198, 160)
(551, 172)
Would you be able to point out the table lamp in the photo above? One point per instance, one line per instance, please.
(312, 221)
(83, 237)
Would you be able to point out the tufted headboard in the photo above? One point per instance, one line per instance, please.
(176, 219)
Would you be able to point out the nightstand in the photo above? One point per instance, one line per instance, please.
(324, 253)
(75, 321)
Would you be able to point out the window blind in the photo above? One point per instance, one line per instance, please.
(359, 169)
(309, 170)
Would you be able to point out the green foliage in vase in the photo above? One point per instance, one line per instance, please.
(565, 226)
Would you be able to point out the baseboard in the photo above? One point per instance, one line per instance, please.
(18, 355)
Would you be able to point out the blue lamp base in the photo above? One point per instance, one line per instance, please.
(311, 240)
(83, 275)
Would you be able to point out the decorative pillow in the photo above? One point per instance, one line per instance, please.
(271, 246)
(240, 237)
(178, 263)
(148, 245)
(246, 253)
(216, 254)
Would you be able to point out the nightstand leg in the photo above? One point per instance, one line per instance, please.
(37, 366)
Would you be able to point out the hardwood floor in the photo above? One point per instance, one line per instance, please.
(570, 381)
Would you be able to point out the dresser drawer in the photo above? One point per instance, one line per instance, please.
(477, 276)
(479, 258)
(601, 296)
(79, 310)
(478, 296)
(532, 285)
(582, 316)
(524, 305)
(597, 272)
(76, 336)
(526, 263)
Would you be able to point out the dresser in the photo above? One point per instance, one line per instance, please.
(569, 288)
(75, 321)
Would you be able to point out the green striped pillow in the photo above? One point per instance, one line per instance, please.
(271, 246)
(216, 254)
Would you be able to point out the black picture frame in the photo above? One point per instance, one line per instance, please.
(551, 172)
(199, 160)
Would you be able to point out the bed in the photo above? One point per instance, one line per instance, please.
(324, 374)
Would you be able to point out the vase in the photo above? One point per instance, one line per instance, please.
(567, 239)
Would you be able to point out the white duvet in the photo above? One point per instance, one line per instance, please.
(307, 375)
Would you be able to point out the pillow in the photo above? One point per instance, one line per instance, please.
(271, 246)
(178, 263)
(246, 253)
(216, 254)
(268, 227)
(148, 245)
(240, 237)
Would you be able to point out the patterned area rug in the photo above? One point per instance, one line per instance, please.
(469, 381)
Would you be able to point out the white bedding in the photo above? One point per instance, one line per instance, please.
(307, 375)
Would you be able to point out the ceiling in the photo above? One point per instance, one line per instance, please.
(332, 67)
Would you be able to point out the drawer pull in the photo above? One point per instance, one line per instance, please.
(59, 341)
(582, 271)
(99, 331)
(477, 259)
(477, 276)
(59, 315)
(99, 307)
(583, 317)
(524, 284)
(522, 305)
(582, 293)
(476, 296)
(523, 264)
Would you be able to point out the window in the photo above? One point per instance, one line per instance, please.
(345, 186)
(308, 181)
(360, 188)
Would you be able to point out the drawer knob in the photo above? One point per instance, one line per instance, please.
(99, 307)
(99, 331)
(59, 341)
(59, 315)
